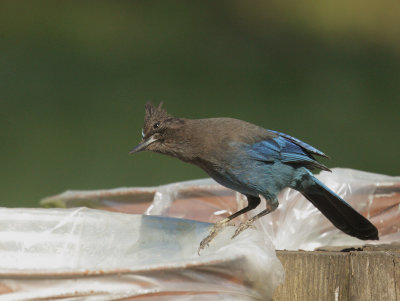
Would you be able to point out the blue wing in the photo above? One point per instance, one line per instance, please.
(286, 149)
(305, 146)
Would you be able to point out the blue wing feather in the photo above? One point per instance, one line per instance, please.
(300, 143)
(287, 150)
(266, 150)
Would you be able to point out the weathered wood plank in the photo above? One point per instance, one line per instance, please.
(314, 276)
(368, 275)
(372, 276)
(396, 260)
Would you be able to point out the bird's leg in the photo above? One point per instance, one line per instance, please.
(218, 226)
(253, 202)
(271, 206)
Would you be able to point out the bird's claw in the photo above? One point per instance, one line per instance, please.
(242, 227)
(206, 241)
(213, 232)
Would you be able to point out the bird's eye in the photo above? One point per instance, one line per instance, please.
(156, 125)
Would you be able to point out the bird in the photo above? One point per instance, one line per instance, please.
(251, 160)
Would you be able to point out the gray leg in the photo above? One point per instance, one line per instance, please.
(253, 202)
(271, 206)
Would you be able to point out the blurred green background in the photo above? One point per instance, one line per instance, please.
(74, 77)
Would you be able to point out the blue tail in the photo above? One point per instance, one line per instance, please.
(340, 213)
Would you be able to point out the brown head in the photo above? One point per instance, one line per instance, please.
(159, 131)
(194, 140)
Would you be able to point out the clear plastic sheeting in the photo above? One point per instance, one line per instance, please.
(86, 254)
(202, 200)
(296, 224)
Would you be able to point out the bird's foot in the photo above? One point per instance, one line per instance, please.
(242, 227)
(218, 226)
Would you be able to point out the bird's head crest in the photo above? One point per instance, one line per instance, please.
(159, 127)
(154, 114)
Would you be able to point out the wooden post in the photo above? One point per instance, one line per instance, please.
(371, 274)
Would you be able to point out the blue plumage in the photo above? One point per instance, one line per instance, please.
(286, 149)
(307, 147)
(250, 160)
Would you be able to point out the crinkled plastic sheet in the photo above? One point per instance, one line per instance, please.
(201, 200)
(86, 254)
(296, 224)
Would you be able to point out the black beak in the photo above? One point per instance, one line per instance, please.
(142, 145)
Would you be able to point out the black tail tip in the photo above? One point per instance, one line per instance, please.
(371, 235)
(375, 237)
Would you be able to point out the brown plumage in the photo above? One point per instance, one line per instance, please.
(251, 160)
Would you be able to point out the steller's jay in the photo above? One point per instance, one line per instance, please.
(251, 160)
